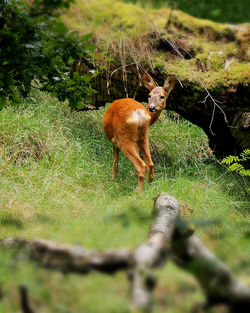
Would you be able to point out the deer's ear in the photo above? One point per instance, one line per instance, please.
(169, 83)
(148, 81)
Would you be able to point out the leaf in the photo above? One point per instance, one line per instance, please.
(90, 47)
(70, 60)
(86, 37)
(76, 76)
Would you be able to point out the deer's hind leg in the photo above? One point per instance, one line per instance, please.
(131, 151)
(115, 161)
(145, 149)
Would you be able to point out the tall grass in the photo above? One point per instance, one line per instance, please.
(55, 183)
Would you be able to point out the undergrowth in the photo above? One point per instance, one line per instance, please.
(55, 183)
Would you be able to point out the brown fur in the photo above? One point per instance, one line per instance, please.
(126, 123)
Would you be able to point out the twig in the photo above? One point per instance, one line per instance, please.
(179, 82)
(25, 306)
(130, 64)
(215, 102)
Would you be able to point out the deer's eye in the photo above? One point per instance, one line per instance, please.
(161, 97)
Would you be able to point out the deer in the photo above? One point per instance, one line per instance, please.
(126, 123)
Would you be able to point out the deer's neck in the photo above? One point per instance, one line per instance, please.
(154, 116)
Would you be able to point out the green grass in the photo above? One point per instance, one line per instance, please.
(55, 183)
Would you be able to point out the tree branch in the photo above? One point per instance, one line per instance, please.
(215, 278)
(215, 102)
(166, 236)
(153, 253)
(67, 258)
(25, 306)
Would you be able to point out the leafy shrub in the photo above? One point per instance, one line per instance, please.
(237, 163)
(36, 47)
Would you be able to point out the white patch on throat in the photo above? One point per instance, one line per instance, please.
(139, 117)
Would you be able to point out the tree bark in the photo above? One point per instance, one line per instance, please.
(153, 253)
(215, 278)
(25, 305)
(70, 259)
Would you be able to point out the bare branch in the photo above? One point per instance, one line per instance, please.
(153, 253)
(215, 102)
(25, 306)
(67, 258)
(127, 65)
(215, 278)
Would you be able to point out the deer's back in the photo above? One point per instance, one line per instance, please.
(125, 119)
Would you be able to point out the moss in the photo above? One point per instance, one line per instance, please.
(105, 16)
(131, 33)
(243, 43)
(212, 30)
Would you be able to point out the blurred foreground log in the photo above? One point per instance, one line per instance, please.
(25, 306)
(166, 238)
(153, 253)
(215, 277)
(70, 259)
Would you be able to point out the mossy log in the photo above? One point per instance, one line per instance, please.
(225, 137)
(137, 39)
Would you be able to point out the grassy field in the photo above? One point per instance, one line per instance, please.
(55, 184)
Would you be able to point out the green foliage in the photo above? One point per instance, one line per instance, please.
(48, 7)
(62, 48)
(236, 163)
(219, 11)
(36, 45)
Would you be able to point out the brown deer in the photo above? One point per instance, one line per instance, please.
(126, 123)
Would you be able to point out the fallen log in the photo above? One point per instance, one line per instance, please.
(70, 259)
(153, 253)
(215, 277)
(166, 238)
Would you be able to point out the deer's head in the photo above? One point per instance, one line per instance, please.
(158, 95)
